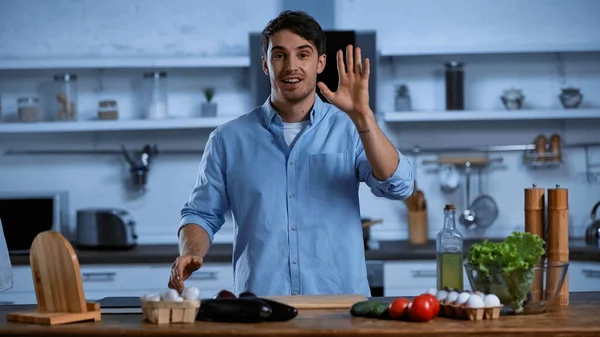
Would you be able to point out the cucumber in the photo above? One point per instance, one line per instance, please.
(361, 309)
(379, 310)
(369, 309)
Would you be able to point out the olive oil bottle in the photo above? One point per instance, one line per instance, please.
(449, 251)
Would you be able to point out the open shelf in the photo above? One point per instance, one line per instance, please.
(133, 62)
(391, 51)
(114, 125)
(491, 115)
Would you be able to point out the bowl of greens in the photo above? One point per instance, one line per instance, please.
(515, 271)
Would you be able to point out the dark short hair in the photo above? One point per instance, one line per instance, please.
(298, 22)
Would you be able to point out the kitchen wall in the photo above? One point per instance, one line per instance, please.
(112, 28)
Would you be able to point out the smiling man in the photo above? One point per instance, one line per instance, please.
(290, 170)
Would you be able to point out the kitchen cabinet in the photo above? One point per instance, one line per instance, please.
(101, 281)
(210, 279)
(584, 276)
(411, 277)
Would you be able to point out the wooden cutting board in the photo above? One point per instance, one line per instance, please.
(319, 301)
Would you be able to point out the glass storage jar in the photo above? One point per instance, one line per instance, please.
(107, 109)
(155, 95)
(65, 93)
(28, 109)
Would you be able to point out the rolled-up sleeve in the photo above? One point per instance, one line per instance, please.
(398, 186)
(208, 202)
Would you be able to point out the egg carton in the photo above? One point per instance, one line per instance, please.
(461, 311)
(166, 312)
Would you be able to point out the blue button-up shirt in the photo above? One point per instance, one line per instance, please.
(297, 222)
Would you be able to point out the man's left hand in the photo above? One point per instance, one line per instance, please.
(352, 95)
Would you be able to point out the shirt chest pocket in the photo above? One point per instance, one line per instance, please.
(331, 175)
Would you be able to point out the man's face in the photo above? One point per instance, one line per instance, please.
(292, 65)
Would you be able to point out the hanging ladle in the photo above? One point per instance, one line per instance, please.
(467, 217)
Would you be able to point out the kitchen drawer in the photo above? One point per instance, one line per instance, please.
(210, 276)
(409, 274)
(584, 276)
(93, 277)
(114, 277)
(22, 279)
(414, 275)
(17, 297)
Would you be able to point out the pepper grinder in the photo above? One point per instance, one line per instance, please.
(534, 224)
(557, 248)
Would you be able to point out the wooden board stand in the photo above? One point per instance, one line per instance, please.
(58, 286)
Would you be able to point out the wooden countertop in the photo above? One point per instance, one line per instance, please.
(581, 318)
(221, 253)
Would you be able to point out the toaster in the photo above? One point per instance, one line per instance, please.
(106, 228)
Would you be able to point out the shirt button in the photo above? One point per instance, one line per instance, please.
(295, 261)
(293, 228)
(291, 163)
(292, 196)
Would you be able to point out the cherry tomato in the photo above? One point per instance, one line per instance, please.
(399, 308)
(421, 309)
(434, 303)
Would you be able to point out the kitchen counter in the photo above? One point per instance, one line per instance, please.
(221, 252)
(581, 318)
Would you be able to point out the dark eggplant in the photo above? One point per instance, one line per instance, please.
(279, 312)
(225, 294)
(246, 294)
(235, 310)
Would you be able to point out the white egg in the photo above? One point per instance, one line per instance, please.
(491, 300)
(191, 293)
(169, 295)
(431, 291)
(150, 297)
(462, 298)
(179, 299)
(475, 302)
(452, 296)
(153, 298)
(441, 295)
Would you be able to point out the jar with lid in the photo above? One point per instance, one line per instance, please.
(28, 109)
(65, 94)
(155, 95)
(449, 252)
(107, 109)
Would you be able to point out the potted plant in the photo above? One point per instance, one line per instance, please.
(402, 98)
(209, 108)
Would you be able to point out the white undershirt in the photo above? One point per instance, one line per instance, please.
(291, 131)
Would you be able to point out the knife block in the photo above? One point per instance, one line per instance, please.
(57, 282)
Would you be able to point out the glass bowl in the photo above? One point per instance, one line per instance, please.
(521, 291)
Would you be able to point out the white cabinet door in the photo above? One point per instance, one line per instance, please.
(584, 276)
(412, 277)
(114, 277)
(210, 279)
